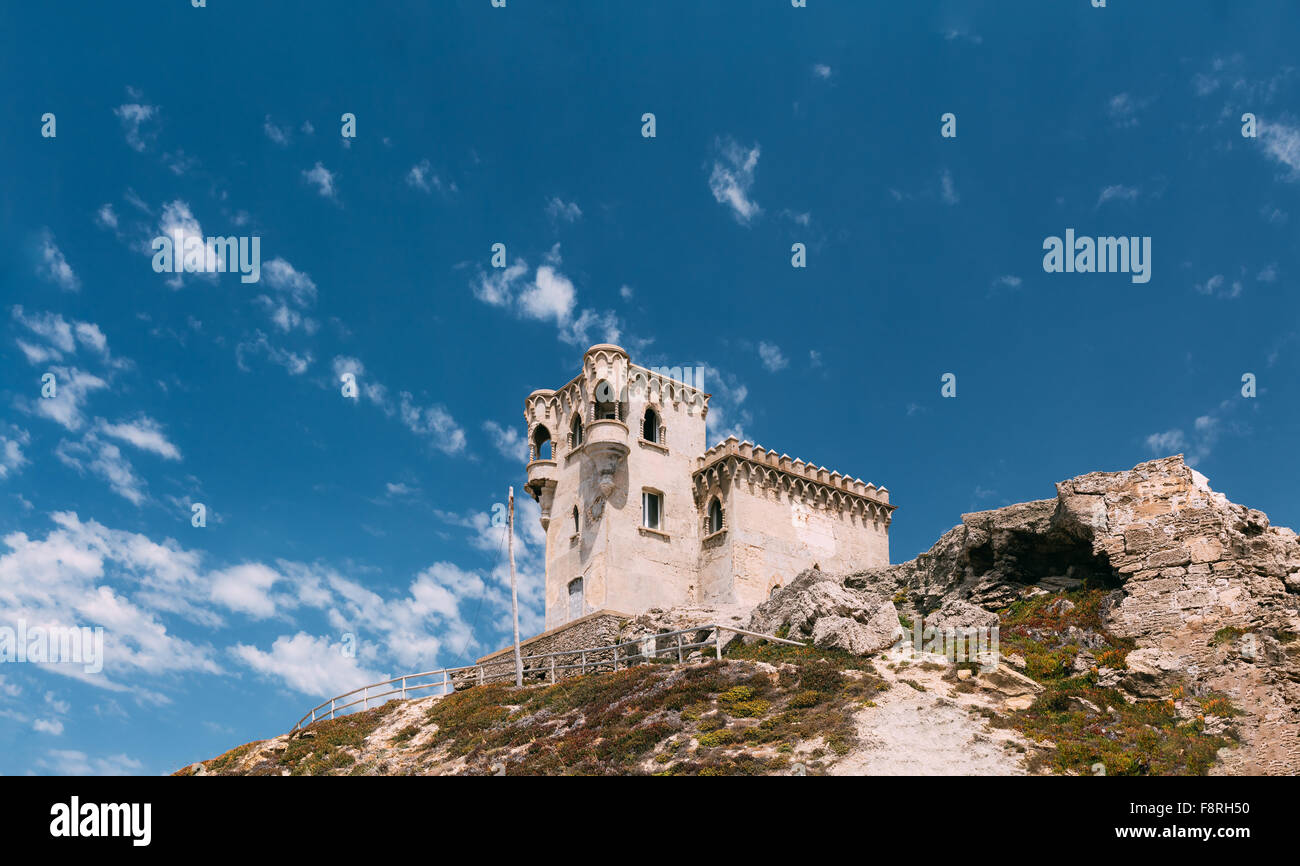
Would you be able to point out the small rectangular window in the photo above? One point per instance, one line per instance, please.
(651, 509)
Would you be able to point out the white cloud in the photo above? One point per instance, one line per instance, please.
(12, 458)
(434, 422)
(106, 216)
(821, 70)
(773, 359)
(422, 177)
(54, 727)
(310, 665)
(1282, 142)
(105, 460)
(84, 574)
(67, 406)
(1122, 109)
(245, 589)
(1117, 192)
(277, 134)
(727, 413)
(69, 762)
(1218, 286)
(295, 363)
(731, 179)
(507, 440)
(562, 211)
(54, 267)
(144, 433)
(295, 294)
(551, 296)
(322, 178)
(947, 189)
(134, 118)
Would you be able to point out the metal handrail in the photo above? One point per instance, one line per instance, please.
(482, 676)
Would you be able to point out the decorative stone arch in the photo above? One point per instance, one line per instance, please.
(575, 430)
(608, 401)
(540, 444)
(653, 428)
(715, 515)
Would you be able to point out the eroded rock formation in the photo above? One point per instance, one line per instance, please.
(1207, 589)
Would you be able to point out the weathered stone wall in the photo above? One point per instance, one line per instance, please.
(593, 630)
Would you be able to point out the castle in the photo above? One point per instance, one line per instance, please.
(638, 514)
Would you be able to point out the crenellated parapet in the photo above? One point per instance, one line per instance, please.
(732, 460)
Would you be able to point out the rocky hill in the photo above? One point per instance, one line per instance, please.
(1144, 625)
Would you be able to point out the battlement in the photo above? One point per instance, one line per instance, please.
(769, 464)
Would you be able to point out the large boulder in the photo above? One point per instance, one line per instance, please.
(880, 632)
(814, 595)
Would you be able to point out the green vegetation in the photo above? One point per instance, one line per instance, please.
(1091, 725)
(713, 718)
(1039, 630)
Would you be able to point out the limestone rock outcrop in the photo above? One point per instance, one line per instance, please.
(1208, 590)
(816, 606)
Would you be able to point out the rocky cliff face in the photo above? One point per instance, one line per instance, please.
(1200, 595)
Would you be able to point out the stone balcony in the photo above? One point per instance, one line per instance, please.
(540, 472)
(606, 436)
(542, 476)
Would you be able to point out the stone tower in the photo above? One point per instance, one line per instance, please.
(638, 514)
(616, 440)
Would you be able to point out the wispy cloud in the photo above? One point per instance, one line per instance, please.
(323, 179)
(772, 357)
(53, 266)
(137, 121)
(733, 176)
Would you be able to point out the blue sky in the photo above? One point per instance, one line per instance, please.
(371, 516)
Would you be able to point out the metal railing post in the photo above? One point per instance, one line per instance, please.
(583, 660)
(552, 670)
(403, 688)
(679, 649)
(717, 642)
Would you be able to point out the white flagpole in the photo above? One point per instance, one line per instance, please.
(514, 592)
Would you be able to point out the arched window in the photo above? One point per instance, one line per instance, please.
(575, 520)
(542, 449)
(715, 515)
(650, 427)
(609, 403)
(575, 431)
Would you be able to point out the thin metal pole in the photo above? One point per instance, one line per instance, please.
(717, 642)
(514, 592)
